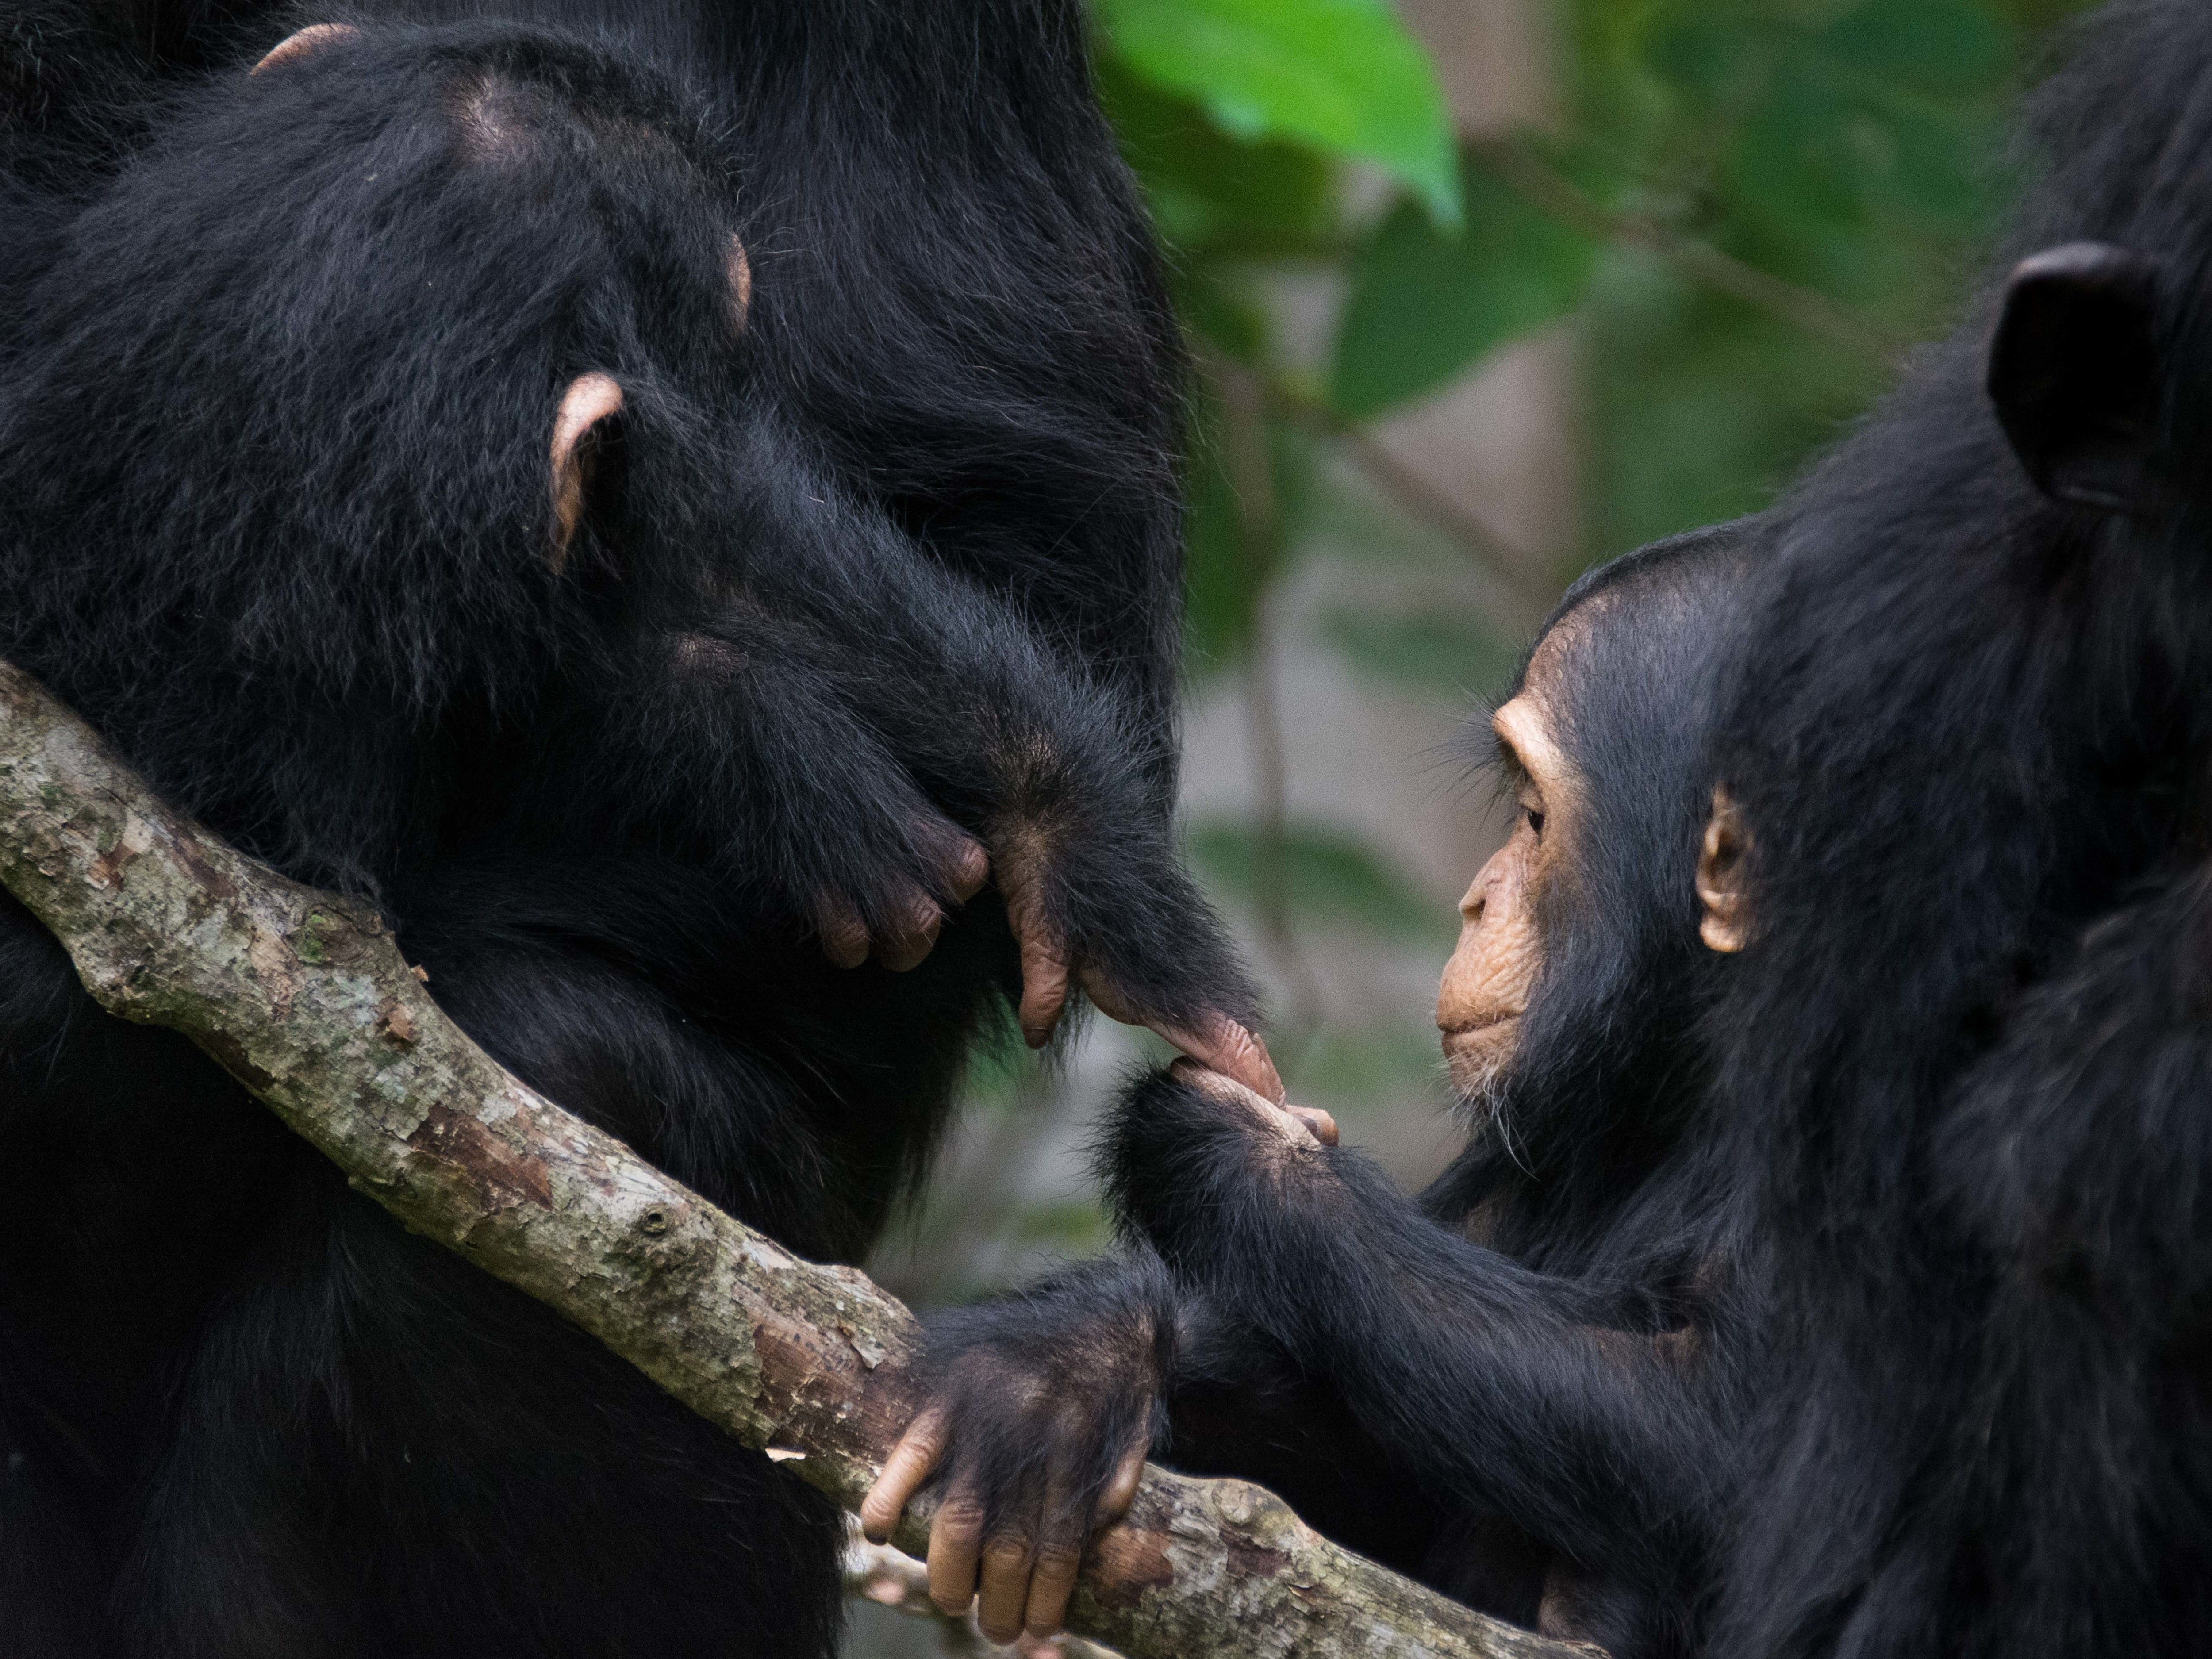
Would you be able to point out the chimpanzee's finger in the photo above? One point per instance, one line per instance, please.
(1004, 1593)
(966, 869)
(1044, 991)
(1294, 1124)
(844, 935)
(1221, 1044)
(1052, 1572)
(909, 939)
(1044, 959)
(303, 43)
(911, 1464)
(956, 1546)
(1233, 1050)
(1121, 1491)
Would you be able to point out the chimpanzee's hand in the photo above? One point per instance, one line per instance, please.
(1149, 941)
(1190, 1157)
(907, 915)
(1042, 1410)
(1299, 1125)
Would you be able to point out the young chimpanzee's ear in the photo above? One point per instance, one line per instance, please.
(590, 402)
(300, 43)
(2075, 374)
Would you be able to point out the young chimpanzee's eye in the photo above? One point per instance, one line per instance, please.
(1536, 816)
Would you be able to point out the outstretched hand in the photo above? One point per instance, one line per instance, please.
(1301, 1125)
(1225, 1046)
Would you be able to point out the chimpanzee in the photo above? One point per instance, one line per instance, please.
(1521, 1389)
(1969, 1052)
(1962, 1068)
(467, 472)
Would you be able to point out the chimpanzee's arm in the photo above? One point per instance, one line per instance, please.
(1504, 1386)
(834, 608)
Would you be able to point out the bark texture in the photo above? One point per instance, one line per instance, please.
(306, 1001)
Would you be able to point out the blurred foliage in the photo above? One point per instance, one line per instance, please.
(1743, 210)
(1841, 149)
(1331, 879)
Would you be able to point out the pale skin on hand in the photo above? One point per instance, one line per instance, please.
(1016, 1588)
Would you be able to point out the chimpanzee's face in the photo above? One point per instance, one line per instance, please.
(1488, 981)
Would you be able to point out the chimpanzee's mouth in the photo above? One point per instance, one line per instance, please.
(1468, 1028)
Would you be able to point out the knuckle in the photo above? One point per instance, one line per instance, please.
(960, 1518)
(1006, 1550)
(1058, 1560)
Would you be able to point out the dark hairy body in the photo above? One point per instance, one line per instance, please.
(1975, 1099)
(856, 564)
(1522, 1386)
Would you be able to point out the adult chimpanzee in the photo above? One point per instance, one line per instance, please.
(1970, 1048)
(1520, 1388)
(409, 464)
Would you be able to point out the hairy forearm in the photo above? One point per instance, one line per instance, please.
(1502, 1384)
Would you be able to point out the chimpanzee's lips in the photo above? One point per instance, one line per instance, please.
(1471, 1027)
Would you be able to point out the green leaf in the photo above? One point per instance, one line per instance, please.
(1342, 76)
(1210, 194)
(1424, 305)
(1329, 876)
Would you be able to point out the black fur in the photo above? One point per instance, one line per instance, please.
(1968, 1049)
(1520, 1388)
(893, 563)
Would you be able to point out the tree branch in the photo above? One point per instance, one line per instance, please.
(306, 1000)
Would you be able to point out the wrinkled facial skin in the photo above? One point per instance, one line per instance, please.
(1488, 982)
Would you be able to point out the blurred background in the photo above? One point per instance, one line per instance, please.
(1480, 293)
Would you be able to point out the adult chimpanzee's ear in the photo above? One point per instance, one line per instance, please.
(301, 43)
(2074, 372)
(591, 401)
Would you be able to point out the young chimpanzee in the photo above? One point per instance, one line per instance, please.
(1960, 1137)
(407, 462)
(1521, 1388)
(1970, 1049)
